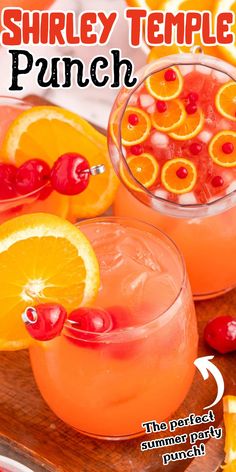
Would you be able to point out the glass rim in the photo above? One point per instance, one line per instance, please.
(183, 61)
(102, 337)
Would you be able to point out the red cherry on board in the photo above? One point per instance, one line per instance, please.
(31, 175)
(70, 174)
(220, 334)
(44, 321)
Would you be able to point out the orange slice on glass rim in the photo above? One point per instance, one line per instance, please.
(179, 176)
(43, 259)
(222, 148)
(163, 89)
(226, 100)
(191, 127)
(48, 132)
(135, 126)
(144, 168)
(170, 119)
(229, 404)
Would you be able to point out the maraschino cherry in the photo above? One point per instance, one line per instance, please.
(31, 175)
(44, 321)
(90, 320)
(71, 173)
(7, 181)
(220, 334)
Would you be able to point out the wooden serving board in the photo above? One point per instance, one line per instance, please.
(31, 433)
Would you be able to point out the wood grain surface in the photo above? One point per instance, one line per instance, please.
(30, 432)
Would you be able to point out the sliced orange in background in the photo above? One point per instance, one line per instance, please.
(227, 52)
(162, 89)
(175, 184)
(147, 4)
(48, 132)
(171, 119)
(229, 405)
(191, 127)
(175, 6)
(162, 51)
(43, 259)
(216, 152)
(230, 467)
(135, 134)
(144, 168)
(226, 100)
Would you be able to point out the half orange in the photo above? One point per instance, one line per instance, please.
(47, 132)
(43, 259)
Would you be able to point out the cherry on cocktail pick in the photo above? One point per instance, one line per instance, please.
(71, 173)
(44, 321)
(31, 175)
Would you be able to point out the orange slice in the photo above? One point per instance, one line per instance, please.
(144, 168)
(191, 127)
(161, 51)
(226, 100)
(227, 52)
(230, 467)
(229, 403)
(43, 259)
(49, 132)
(162, 89)
(172, 182)
(171, 119)
(216, 152)
(147, 4)
(135, 134)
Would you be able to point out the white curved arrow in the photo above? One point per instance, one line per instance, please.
(205, 366)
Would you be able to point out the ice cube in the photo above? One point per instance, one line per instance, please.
(186, 69)
(151, 109)
(159, 205)
(138, 251)
(187, 199)
(133, 101)
(159, 139)
(205, 136)
(146, 101)
(223, 124)
(231, 188)
(161, 193)
(220, 76)
(203, 69)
